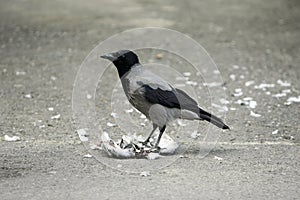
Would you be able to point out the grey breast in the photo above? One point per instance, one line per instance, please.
(133, 87)
(135, 96)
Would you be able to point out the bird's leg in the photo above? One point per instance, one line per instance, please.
(161, 131)
(148, 138)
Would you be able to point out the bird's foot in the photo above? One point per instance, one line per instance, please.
(145, 143)
(155, 149)
(148, 142)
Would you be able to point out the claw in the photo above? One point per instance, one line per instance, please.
(156, 149)
(145, 143)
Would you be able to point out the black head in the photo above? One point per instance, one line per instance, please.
(123, 60)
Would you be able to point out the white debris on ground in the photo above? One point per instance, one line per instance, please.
(42, 126)
(142, 116)
(131, 146)
(180, 122)
(282, 94)
(266, 87)
(159, 56)
(218, 158)
(28, 96)
(216, 72)
(83, 136)
(56, 116)
(109, 124)
(195, 134)
(291, 100)
(283, 83)
(235, 66)
(248, 83)
(88, 156)
(275, 132)
(238, 92)
(263, 86)
(192, 83)
(232, 77)
(114, 149)
(248, 101)
(213, 84)
(252, 104)
(20, 73)
(224, 101)
(50, 108)
(114, 115)
(53, 78)
(145, 173)
(287, 91)
(253, 114)
(88, 96)
(14, 138)
(129, 110)
(279, 95)
(187, 73)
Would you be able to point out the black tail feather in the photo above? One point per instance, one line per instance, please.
(212, 119)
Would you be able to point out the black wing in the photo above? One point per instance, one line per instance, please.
(175, 98)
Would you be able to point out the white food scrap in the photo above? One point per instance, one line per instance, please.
(213, 84)
(132, 146)
(218, 158)
(187, 73)
(88, 96)
(28, 96)
(238, 92)
(195, 134)
(145, 173)
(253, 114)
(248, 83)
(11, 139)
(56, 116)
(263, 86)
(109, 124)
(283, 83)
(83, 136)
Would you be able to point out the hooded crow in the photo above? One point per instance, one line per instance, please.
(159, 101)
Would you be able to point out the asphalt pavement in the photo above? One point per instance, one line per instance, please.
(256, 46)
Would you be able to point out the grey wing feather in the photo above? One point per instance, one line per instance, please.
(152, 80)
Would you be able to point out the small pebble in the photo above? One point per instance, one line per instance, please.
(159, 56)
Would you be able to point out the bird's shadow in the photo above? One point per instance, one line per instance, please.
(196, 150)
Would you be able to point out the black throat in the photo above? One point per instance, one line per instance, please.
(125, 62)
(123, 68)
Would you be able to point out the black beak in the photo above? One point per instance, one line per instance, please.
(110, 56)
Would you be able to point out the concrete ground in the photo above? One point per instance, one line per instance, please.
(43, 43)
